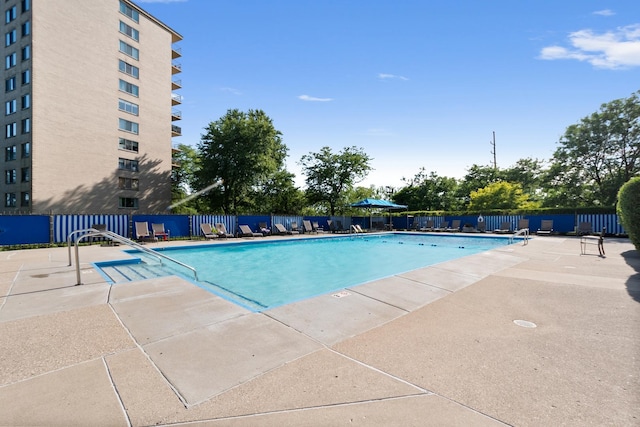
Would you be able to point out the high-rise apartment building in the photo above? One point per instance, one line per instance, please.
(89, 107)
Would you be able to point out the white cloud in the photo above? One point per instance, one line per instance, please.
(230, 90)
(604, 12)
(314, 99)
(384, 76)
(611, 50)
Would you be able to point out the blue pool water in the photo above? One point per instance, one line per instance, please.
(267, 274)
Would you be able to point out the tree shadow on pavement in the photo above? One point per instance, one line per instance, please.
(632, 258)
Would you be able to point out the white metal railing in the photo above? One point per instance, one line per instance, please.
(522, 232)
(92, 232)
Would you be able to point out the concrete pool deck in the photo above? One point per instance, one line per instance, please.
(435, 346)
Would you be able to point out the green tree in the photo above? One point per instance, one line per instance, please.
(628, 208)
(428, 192)
(240, 151)
(597, 155)
(278, 194)
(477, 177)
(329, 175)
(500, 195)
(528, 173)
(185, 160)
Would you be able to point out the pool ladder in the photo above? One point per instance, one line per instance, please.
(92, 232)
(522, 232)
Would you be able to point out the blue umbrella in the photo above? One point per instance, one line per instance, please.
(378, 204)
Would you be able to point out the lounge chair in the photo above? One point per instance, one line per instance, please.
(264, 229)
(159, 231)
(523, 224)
(546, 227)
(584, 229)
(308, 228)
(294, 228)
(455, 226)
(143, 233)
(222, 230)
(444, 225)
(208, 232)
(505, 227)
(317, 227)
(482, 227)
(245, 231)
(428, 226)
(281, 229)
(593, 240)
(356, 228)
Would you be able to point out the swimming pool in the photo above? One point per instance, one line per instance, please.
(260, 275)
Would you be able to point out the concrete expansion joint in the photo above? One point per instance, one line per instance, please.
(402, 380)
(116, 392)
(149, 359)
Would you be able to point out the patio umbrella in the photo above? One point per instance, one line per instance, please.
(378, 204)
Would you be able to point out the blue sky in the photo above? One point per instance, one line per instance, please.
(415, 83)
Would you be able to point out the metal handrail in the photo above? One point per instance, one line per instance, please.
(92, 232)
(522, 232)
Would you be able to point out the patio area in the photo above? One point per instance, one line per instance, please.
(524, 335)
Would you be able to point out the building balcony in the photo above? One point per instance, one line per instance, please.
(176, 52)
(176, 115)
(176, 130)
(176, 68)
(176, 99)
(176, 84)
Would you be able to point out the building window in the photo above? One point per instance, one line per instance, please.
(9, 200)
(127, 183)
(26, 28)
(127, 144)
(26, 52)
(128, 202)
(10, 60)
(129, 69)
(25, 101)
(10, 130)
(10, 107)
(26, 77)
(25, 175)
(128, 107)
(128, 31)
(128, 126)
(25, 125)
(10, 84)
(10, 176)
(10, 37)
(24, 199)
(26, 5)
(26, 150)
(127, 49)
(130, 88)
(128, 165)
(10, 14)
(10, 153)
(129, 11)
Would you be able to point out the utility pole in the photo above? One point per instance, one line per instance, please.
(493, 151)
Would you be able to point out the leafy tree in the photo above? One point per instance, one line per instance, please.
(428, 192)
(241, 151)
(597, 155)
(500, 195)
(278, 194)
(528, 173)
(477, 177)
(329, 175)
(186, 160)
(628, 209)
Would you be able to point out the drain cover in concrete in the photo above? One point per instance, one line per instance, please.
(525, 323)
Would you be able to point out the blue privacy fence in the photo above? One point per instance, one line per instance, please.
(48, 229)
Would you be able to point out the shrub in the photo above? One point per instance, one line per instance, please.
(628, 209)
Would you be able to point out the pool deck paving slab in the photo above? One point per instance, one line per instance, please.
(445, 352)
